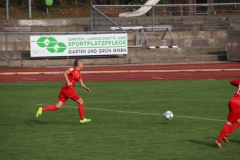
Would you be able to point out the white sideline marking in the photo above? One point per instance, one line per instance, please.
(152, 114)
(209, 119)
(141, 113)
(154, 101)
(160, 101)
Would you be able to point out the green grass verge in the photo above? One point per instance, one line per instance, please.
(127, 121)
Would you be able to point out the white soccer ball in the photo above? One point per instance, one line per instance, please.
(168, 115)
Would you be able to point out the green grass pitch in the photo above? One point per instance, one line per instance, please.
(127, 121)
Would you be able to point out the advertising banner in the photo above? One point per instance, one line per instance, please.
(78, 45)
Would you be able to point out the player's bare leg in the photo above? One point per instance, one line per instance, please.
(59, 105)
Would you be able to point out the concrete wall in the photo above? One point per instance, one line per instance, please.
(190, 33)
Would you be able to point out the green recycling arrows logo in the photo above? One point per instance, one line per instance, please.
(51, 44)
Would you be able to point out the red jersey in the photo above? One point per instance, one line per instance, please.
(74, 76)
(69, 92)
(236, 96)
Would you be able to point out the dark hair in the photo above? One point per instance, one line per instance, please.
(75, 64)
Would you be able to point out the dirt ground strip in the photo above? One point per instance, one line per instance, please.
(207, 71)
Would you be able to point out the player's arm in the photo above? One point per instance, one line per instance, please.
(84, 86)
(66, 73)
(235, 83)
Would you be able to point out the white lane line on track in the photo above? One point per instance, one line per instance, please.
(30, 79)
(60, 83)
(158, 78)
(141, 113)
(126, 71)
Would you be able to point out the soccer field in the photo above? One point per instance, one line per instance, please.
(127, 121)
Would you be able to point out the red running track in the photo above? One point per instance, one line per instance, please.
(207, 71)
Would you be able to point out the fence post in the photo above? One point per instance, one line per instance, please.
(6, 46)
(153, 17)
(93, 19)
(29, 9)
(7, 9)
(208, 12)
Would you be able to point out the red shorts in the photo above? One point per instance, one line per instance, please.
(68, 93)
(234, 111)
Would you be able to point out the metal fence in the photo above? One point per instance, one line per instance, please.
(186, 17)
(178, 17)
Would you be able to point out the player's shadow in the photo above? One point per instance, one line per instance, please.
(34, 122)
(234, 141)
(209, 142)
(163, 123)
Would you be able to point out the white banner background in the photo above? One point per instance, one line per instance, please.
(78, 45)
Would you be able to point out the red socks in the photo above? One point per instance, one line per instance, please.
(54, 107)
(233, 127)
(81, 111)
(224, 132)
(49, 108)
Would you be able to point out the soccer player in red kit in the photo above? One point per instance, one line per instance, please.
(72, 75)
(233, 120)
